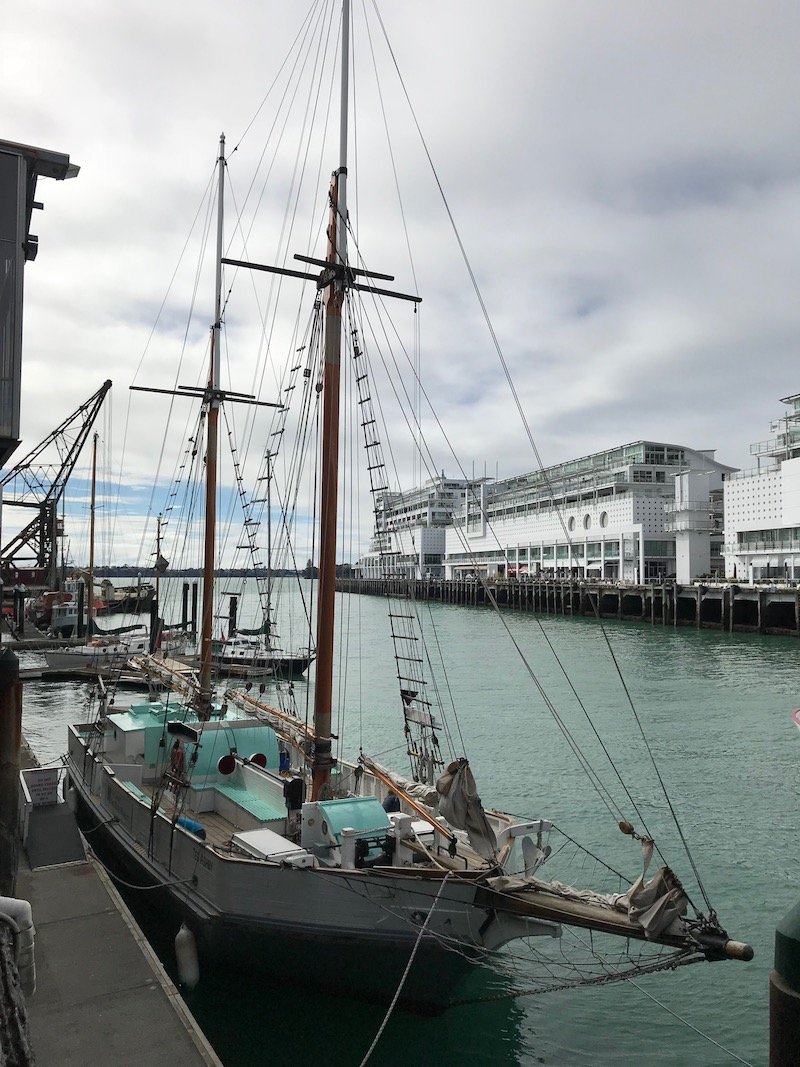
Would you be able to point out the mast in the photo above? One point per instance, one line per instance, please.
(157, 618)
(337, 258)
(269, 550)
(212, 425)
(158, 556)
(90, 605)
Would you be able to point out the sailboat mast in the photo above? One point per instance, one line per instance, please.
(155, 640)
(337, 257)
(268, 619)
(90, 605)
(212, 429)
(158, 558)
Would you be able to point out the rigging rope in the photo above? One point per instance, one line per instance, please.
(534, 448)
(399, 989)
(691, 1026)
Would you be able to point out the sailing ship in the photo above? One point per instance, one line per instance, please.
(255, 651)
(280, 854)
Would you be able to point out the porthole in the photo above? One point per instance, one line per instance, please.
(587, 522)
(571, 523)
(604, 519)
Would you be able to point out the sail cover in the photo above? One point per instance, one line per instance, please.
(460, 804)
(259, 631)
(656, 905)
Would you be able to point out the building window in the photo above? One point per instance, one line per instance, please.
(604, 519)
(587, 522)
(571, 523)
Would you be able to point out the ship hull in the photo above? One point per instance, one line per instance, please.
(334, 930)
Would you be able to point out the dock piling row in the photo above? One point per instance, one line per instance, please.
(716, 606)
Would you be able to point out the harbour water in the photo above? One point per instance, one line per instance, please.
(715, 709)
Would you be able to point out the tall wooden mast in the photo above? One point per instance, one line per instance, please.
(211, 396)
(336, 277)
(337, 258)
(212, 425)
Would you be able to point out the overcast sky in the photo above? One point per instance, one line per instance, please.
(625, 178)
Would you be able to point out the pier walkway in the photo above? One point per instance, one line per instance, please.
(102, 996)
(773, 609)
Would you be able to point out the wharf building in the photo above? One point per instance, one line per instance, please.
(762, 507)
(639, 512)
(409, 537)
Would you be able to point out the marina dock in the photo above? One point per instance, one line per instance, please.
(102, 996)
(773, 609)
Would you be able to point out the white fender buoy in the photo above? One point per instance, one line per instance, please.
(72, 799)
(186, 956)
(18, 915)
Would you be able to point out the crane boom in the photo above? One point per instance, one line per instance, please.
(39, 483)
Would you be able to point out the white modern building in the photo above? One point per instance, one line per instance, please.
(762, 506)
(613, 515)
(695, 518)
(602, 516)
(409, 537)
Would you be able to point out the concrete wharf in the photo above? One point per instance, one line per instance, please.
(772, 609)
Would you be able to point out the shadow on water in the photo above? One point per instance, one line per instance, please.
(244, 1019)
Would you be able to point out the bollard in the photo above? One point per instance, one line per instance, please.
(784, 993)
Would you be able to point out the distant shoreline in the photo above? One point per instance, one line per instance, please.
(343, 570)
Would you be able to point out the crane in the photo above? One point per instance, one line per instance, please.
(39, 484)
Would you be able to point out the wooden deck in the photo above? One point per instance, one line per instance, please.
(219, 830)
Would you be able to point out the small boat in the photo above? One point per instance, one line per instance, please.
(66, 604)
(253, 655)
(39, 610)
(107, 650)
(131, 599)
(796, 717)
(101, 653)
(282, 854)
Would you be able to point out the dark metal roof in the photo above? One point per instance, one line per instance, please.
(42, 161)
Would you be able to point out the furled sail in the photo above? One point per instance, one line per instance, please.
(460, 804)
(260, 631)
(658, 904)
(98, 631)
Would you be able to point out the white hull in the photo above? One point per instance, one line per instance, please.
(233, 901)
(245, 655)
(79, 660)
(103, 655)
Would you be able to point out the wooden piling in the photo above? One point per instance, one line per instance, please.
(10, 741)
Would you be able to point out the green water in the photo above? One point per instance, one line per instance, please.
(715, 709)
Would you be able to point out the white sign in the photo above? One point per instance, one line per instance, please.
(42, 783)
